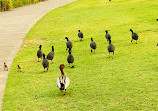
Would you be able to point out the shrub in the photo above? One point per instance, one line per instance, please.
(5, 5)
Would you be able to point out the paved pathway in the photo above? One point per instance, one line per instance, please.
(14, 25)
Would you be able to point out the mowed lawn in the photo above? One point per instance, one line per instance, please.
(129, 81)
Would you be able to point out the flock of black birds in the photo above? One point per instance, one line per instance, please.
(63, 81)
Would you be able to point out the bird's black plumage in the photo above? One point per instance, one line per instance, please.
(68, 43)
(39, 53)
(80, 35)
(45, 63)
(107, 35)
(93, 45)
(70, 58)
(134, 36)
(50, 55)
(111, 48)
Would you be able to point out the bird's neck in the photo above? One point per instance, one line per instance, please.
(62, 72)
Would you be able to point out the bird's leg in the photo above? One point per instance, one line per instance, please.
(131, 40)
(81, 39)
(44, 69)
(136, 41)
(47, 69)
(51, 61)
(66, 48)
(65, 91)
(91, 50)
(109, 54)
(94, 50)
(38, 59)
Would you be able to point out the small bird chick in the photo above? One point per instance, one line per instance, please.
(5, 66)
(19, 68)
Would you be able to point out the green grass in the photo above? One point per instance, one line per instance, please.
(129, 81)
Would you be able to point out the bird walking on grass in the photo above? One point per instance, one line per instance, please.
(93, 45)
(63, 81)
(19, 68)
(39, 53)
(107, 35)
(134, 36)
(68, 43)
(45, 63)
(5, 66)
(70, 58)
(111, 48)
(80, 35)
(50, 55)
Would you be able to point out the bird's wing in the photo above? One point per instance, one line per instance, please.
(58, 82)
(67, 82)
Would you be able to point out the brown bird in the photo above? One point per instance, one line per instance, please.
(111, 47)
(19, 68)
(63, 81)
(45, 63)
(39, 53)
(50, 56)
(68, 43)
(80, 35)
(70, 58)
(93, 45)
(5, 66)
(107, 35)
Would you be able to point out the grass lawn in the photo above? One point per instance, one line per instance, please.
(129, 81)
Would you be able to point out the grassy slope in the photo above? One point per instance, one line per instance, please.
(127, 82)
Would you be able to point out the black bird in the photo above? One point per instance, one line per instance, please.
(70, 58)
(157, 19)
(68, 43)
(111, 47)
(63, 81)
(93, 45)
(50, 55)
(39, 53)
(5, 66)
(107, 35)
(19, 68)
(134, 36)
(80, 35)
(45, 63)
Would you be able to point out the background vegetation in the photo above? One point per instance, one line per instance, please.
(9, 4)
(129, 81)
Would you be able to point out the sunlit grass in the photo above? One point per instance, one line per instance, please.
(126, 82)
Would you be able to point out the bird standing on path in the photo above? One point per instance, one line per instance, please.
(39, 53)
(93, 45)
(80, 35)
(63, 81)
(45, 63)
(111, 47)
(107, 35)
(68, 43)
(50, 55)
(70, 58)
(5, 66)
(134, 36)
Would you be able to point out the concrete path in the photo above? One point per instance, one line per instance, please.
(14, 25)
